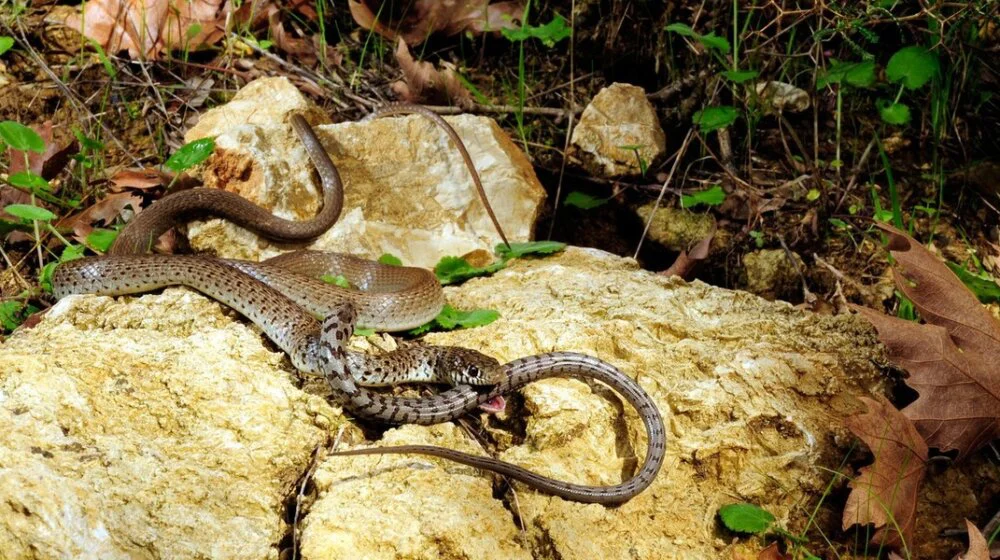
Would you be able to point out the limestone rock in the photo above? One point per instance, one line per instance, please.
(160, 426)
(678, 229)
(155, 427)
(407, 190)
(619, 115)
(769, 274)
(747, 387)
(782, 97)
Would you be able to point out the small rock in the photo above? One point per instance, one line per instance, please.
(678, 229)
(769, 274)
(782, 97)
(619, 115)
(407, 190)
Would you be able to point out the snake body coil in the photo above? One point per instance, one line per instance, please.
(284, 299)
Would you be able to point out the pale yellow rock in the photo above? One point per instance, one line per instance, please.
(750, 391)
(770, 274)
(154, 427)
(679, 229)
(399, 507)
(407, 190)
(618, 117)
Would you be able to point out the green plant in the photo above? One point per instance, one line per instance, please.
(549, 34)
(583, 201)
(754, 520)
(712, 196)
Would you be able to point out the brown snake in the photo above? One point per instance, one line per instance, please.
(283, 303)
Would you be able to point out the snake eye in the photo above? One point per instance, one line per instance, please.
(473, 371)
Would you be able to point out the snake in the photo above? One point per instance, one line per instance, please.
(311, 320)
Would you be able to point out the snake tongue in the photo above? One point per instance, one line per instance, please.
(494, 405)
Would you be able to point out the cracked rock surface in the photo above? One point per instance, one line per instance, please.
(164, 426)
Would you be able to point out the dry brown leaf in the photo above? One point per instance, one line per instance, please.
(46, 164)
(138, 179)
(102, 212)
(147, 28)
(772, 553)
(424, 17)
(977, 544)
(950, 360)
(885, 493)
(685, 263)
(422, 83)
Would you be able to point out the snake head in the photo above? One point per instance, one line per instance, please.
(468, 367)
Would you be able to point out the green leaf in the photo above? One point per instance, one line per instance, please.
(839, 224)
(713, 41)
(45, 276)
(363, 332)
(337, 280)
(812, 195)
(549, 34)
(86, 142)
(72, 252)
(109, 68)
(450, 270)
(390, 259)
(101, 239)
(681, 29)
(985, 288)
(28, 180)
(20, 137)
(745, 518)
(894, 113)
(714, 118)
(29, 212)
(740, 76)
(858, 74)
(13, 313)
(578, 199)
(451, 318)
(191, 154)
(528, 248)
(6, 43)
(913, 66)
(712, 196)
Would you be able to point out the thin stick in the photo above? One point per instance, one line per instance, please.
(663, 189)
(569, 125)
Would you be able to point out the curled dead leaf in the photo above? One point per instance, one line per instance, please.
(685, 263)
(423, 17)
(885, 493)
(147, 28)
(103, 212)
(48, 163)
(422, 83)
(978, 550)
(138, 179)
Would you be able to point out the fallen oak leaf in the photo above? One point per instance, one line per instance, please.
(102, 212)
(958, 407)
(423, 83)
(978, 550)
(424, 17)
(886, 491)
(940, 296)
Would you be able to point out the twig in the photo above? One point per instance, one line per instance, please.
(477, 108)
(569, 125)
(663, 189)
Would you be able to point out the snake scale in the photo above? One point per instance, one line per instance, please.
(283, 297)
